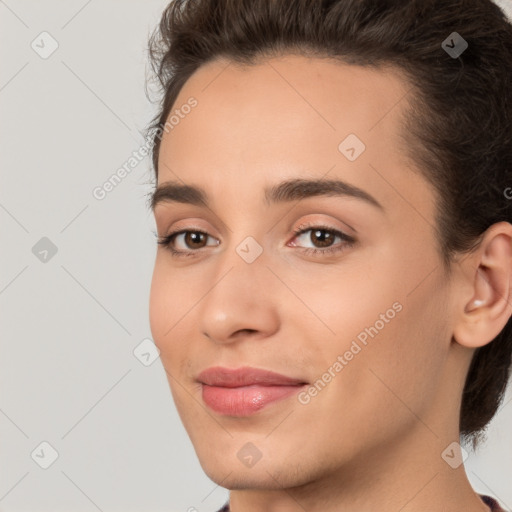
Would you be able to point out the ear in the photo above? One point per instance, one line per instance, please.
(485, 301)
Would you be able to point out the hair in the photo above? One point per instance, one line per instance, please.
(457, 127)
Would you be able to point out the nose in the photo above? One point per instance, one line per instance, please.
(242, 301)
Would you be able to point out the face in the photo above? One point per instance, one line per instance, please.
(339, 289)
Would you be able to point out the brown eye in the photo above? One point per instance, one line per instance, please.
(190, 240)
(322, 240)
(322, 237)
(195, 239)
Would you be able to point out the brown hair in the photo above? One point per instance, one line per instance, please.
(457, 127)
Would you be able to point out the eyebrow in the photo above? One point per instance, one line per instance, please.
(286, 191)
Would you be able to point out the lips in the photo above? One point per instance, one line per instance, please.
(244, 391)
(247, 376)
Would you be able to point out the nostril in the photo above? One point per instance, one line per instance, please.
(246, 330)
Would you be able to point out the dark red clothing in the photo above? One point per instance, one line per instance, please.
(490, 502)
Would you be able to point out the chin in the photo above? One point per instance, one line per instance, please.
(243, 478)
(228, 472)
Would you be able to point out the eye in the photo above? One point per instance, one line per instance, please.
(194, 239)
(323, 238)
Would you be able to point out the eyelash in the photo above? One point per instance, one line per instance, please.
(166, 241)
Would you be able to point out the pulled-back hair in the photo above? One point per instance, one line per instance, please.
(457, 127)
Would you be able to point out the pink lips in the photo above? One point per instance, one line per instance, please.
(244, 391)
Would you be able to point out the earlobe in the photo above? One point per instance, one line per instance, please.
(489, 307)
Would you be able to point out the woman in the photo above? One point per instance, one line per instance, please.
(331, 294)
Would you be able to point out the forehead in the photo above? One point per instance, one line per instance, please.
(287, 117)
(320, 93)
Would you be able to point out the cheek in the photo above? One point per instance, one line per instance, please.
(390, 340)
(167, 305)
(389, 378)
(403, 361)
(353, 301)
(166, 309)
(172, 301)
(158, 304)
(169, 300)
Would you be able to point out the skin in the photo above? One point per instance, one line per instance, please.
(372, 439)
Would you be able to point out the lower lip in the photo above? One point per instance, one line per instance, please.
(246, 400)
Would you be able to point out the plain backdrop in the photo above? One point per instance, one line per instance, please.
(76, 271)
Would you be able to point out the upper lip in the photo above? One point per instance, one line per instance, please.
(245, 376)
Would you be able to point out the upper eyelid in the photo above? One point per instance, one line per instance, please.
(303, 225)
(298, 230)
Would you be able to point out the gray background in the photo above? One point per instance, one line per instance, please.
(70, 324)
